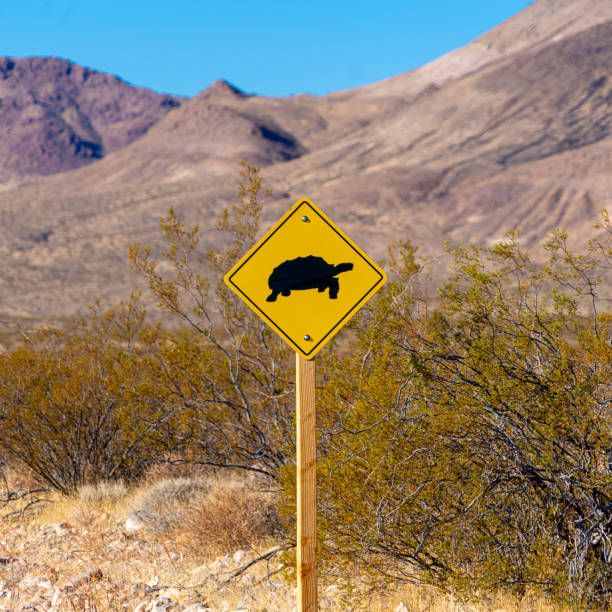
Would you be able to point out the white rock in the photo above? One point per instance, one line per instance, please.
(401, 608)
(239, 556)
(153, 582)
(136, 520)
(274, 585)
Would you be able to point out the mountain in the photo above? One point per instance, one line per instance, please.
(513, 130)
(56, 116)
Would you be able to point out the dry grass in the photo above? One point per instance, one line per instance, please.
(163, 504)
(103, 492)
(75, 554)
(230, 517)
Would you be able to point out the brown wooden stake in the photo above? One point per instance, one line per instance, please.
(306, 485)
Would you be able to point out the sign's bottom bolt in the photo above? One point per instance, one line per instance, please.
(307, 337)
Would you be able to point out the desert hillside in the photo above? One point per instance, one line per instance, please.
(512, 130)
(57, 115)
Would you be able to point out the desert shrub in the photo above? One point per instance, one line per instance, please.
(167, 493)
(230, 517)
(228, 375)
(78, 408)
(162, 505)
(107, 400)
(467, 443)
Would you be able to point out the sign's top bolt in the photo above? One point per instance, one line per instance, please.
(307, 338)
(305, 219)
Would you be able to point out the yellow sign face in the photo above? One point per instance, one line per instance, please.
(305, 278)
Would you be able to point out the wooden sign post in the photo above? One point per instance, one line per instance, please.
(305, 278)
(306, 485)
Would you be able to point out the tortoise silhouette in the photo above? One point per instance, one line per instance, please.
(305, 273)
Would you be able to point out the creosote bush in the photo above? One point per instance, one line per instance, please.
(227, 373)
(467, 440)
(83, 407)
(117, 395)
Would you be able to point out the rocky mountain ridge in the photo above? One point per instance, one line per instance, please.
(57, 116)
(513, 130)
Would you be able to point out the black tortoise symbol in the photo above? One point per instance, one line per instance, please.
(305, 273)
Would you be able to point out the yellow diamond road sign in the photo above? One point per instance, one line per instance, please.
(305, 278)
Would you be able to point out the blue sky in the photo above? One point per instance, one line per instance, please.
(271, 48)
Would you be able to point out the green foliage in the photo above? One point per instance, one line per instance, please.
(468, 441)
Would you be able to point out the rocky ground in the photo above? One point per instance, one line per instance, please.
(102, 566)
(151, 549)
(110, 548)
